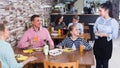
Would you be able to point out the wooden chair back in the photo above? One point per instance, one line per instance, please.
(86, 32)
(48, 64)
(85, 27)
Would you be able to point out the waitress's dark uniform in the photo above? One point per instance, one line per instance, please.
(103, 45)
(102, 48)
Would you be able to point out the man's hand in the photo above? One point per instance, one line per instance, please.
(51, 47)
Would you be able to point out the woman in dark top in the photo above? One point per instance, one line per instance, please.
(105, 29)
(58, 24)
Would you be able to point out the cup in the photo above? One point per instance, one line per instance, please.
(35, 39)
(59, 32)
(81, 50)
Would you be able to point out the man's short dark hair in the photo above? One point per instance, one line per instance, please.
(33, 17)
(76, 17)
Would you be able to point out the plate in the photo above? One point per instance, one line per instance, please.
(20, 57)
(68, 50)
(37, 49)
(54, 34)
(28, 51)
(55, 52)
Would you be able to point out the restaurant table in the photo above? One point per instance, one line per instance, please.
(86, 60)
(60, 37)
(57, 39)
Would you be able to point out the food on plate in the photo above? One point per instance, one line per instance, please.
(68, 50)
(55, 52)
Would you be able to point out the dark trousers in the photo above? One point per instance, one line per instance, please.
(102, 63)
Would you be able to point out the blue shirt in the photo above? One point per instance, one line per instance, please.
(80, 27)
(7, 56)
(68, 42)
(109, 26)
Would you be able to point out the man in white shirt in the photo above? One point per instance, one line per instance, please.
(76, 22)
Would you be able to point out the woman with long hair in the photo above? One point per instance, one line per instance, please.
(58, 24)
(105, 29)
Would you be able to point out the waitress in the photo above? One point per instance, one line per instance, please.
(105, 29)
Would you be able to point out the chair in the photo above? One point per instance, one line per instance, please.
(0, 65)
(48, 64)
(86, 28)
(86, 32)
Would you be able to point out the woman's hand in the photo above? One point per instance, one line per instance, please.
(98, 34)
(104, 35)
(101, 34)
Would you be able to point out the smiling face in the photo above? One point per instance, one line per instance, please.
(75, 31)
(37, 22)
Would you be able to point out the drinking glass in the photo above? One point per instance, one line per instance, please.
(35, 39)
(81, 50)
